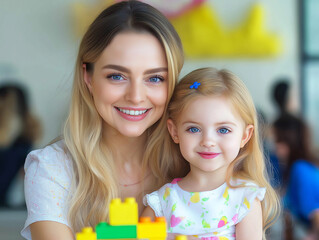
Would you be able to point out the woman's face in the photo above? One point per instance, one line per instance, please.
(129, 83)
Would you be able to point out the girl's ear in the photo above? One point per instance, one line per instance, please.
(172, 130)
(87, 77)
(247, 135)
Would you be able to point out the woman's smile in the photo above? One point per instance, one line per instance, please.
(133, 114)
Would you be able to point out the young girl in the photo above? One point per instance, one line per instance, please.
(226, 194)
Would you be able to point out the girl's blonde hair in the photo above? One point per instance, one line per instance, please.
(95, 182)
(250, 162)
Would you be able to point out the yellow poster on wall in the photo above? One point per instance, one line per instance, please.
(201, 32)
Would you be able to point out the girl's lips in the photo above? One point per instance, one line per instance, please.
(133, 114)
(208, 155)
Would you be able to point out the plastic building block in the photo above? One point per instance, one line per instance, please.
(106, 231)
(86, 234)
(152, 230)
(181, 237)
(125, 213)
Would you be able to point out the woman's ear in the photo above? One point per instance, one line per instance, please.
(172, 130)
(87, 77)
(247, 135)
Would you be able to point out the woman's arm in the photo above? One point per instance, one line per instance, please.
(251, 227)
(49, 230)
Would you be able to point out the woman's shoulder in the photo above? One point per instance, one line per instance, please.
(54, 155)
(55, 152)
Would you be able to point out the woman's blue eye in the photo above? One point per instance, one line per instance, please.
(193, 130)
(116, 77)
(156, 79)
(223, 130)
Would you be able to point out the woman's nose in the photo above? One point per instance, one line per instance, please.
(136, 92)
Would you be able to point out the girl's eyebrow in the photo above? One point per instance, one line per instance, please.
(218, 123)
(126, 70)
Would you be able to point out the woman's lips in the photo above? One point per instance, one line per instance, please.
(208, 155)
(132, 114)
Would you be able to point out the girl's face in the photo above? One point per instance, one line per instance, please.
(210, 134)
(129, 83)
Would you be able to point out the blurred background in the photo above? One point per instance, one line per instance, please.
(264, 42)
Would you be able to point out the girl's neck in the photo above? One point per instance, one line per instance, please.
(198, 181)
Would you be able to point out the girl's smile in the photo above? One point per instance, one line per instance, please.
(208, 155)
(210, 134)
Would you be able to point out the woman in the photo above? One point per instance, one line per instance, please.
(127, 67)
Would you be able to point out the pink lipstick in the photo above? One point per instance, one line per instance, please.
(133, 114)
(208, 155)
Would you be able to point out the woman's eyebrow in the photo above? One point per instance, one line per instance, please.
(126, 70)
(155, 70)
(117, 67)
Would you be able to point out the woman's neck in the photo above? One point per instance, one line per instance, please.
(126, 150)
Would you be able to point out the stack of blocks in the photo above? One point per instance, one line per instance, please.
(124, 224)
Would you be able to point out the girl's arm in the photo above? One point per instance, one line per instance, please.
(149, 212)
(49, 230)
(251, 227)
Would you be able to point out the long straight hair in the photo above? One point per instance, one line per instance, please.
(95, 182)
(250, 163)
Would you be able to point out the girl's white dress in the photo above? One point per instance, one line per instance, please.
(210, 215)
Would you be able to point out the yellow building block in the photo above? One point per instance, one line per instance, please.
(180, 237)
(146, 229)
(86, 234)
(125, 213)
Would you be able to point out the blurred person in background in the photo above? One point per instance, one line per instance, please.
(19, 130)
(286, 103)
(301, 173)
(284, 97)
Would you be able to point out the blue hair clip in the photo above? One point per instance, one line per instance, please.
(194, 85)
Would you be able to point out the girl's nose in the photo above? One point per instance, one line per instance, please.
(208, 140)
(136, 92)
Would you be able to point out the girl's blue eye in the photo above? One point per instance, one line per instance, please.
(156, 79)
(223, 130)
(193, 130)
(116, 77)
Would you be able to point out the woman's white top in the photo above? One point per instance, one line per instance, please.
(208, 215)
(48, 174)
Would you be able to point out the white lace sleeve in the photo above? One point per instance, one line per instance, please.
(249, 196)
(47, 182)
(153, 201)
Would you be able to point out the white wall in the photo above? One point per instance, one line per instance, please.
(38, 47)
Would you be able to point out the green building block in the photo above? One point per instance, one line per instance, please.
(105, 231)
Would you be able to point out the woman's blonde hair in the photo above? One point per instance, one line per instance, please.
(95, 182)
(250, 163)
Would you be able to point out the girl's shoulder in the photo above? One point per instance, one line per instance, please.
(247, 189)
